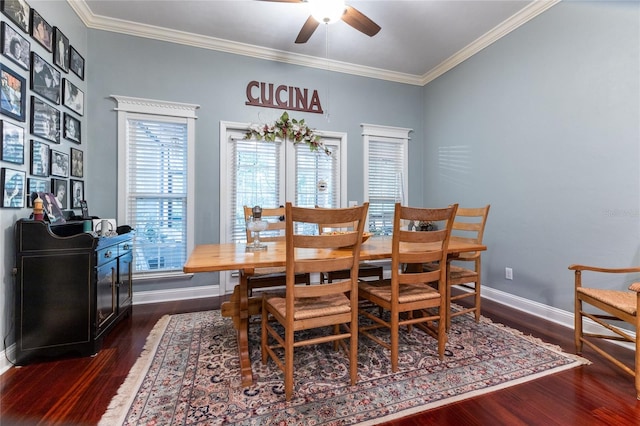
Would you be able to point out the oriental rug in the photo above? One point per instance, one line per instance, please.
(188, 374)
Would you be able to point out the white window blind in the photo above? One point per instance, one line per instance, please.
(255, 180)
(386, 174)
(317, 177)
(156, 141)
(157, 193)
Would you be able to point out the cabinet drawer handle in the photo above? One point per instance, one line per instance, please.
(107, 255)
(126, 247)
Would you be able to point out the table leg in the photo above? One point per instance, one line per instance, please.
(240, 308)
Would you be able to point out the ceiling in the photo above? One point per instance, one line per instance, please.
(419, 39)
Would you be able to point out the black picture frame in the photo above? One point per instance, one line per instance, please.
(71, 129)
(13, 94)
(77, 163)
(14, 46)
(60, 49)
(41, 31)
(13, 184)
(12, 143)
(60, 190)
(77, 193)
(76, 63)
(59, 164)
(40, 157)
(45, 120)
(72, 97)
(51, 210)
(45, 79)
(18, 11)
(35, 185)
(85, 209)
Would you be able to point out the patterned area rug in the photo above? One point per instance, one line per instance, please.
(189, 375)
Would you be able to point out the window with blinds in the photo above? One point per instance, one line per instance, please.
(256, 174)
(157, 193)
(156, 141)
(385, 174)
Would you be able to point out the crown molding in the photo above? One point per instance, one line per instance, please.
(194, 40)
(495, 34)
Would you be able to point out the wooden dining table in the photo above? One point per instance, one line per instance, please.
(234, 256)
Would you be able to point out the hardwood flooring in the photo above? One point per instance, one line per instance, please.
(75, 392)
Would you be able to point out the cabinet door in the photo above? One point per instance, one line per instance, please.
(106, 295)
(125, 286)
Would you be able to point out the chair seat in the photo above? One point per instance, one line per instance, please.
(312, 307)
(455, 272)
(623, 300)
(408, 292)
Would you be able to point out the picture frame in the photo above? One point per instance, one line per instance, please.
(60, 49)
(14, 46)
(35, 185)
(39, 158)
(85, 209)
(72, 97)
(71, 129)
(45, 79)
(76, 63)
(13, 184)
(45, 120)
(60, 190)
(51, 210)
(18, 11)
(59, 164)
(77, 163)
(77, 193)
(12, 143)
(13, 94)
(41, 31)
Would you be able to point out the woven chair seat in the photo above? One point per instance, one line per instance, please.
(624, 300)
(408, 292)
(312, 307)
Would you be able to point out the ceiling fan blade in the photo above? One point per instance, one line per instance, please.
(307, 30)
(360, 22)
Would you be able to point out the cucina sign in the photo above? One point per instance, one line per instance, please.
(291, 98)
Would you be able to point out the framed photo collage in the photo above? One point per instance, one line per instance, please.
(41, 110)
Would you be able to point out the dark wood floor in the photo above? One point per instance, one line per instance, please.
(75, 392)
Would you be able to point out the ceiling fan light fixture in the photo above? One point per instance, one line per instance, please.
(327, 11)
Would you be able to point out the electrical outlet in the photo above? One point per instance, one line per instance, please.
(508, 273)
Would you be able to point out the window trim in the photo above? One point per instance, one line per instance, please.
(128, 106)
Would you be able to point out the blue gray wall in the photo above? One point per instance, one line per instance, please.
(133, 66)
(545, 126)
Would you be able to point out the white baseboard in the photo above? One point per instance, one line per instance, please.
(186, 293)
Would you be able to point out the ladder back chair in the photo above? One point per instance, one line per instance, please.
(365, 270)
(612, 308)
(270, 277)
(468, 226)
(408, 292)
(327, 306)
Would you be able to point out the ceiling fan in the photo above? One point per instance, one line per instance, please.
(328, 11)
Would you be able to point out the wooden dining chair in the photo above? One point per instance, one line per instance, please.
(608, 308)
(270, 277)
(468, 227)
(304, 307)
(409, 292)
(364, 271)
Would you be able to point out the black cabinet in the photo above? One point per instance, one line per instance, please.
(71, 289)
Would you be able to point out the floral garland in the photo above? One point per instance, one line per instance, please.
(287, 129)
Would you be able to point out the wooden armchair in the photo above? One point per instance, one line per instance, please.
(270, 277)
(612, 308)
(315, 306)
(365, 269)
(409, 293)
